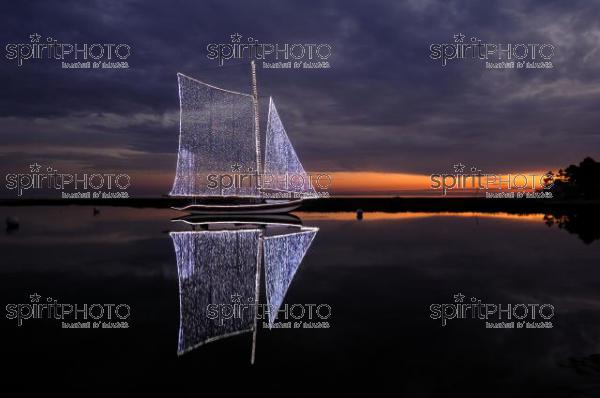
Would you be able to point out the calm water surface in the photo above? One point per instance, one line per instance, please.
(379, 275)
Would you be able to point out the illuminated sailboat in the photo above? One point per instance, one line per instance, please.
(219, 269)
(219, 165)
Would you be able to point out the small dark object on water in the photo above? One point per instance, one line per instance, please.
(12, 223)
(359, 214)
(96, 211)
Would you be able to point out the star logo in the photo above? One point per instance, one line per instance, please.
(459, 37)
(35, 298)
(35, 38)
(35, 168)
(458, 168)
(236, 37)
(458, 298)
(236, 167)
(236, 298)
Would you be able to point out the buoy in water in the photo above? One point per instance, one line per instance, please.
(12, 223)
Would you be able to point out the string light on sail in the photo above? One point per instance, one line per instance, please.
(283, 170)
(216, 130)
(220, 150)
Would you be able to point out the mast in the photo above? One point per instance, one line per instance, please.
(256, 126)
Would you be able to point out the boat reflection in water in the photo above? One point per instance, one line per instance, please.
(219, 264)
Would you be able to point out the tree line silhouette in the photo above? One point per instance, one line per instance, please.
(577, 181)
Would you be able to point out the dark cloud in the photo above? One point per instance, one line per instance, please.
(383, 106)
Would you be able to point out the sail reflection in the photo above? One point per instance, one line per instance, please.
(219, 268)
(283, 255)
(213, 266)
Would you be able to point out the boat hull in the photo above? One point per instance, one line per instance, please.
(258, 219)
(254, 208)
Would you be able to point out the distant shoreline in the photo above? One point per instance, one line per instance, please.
(344, 204)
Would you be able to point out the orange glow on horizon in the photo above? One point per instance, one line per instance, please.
(343, 182)
(372, 181)
(378, 216)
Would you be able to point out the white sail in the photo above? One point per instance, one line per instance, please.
(283, 255)
(217, 142)
(283, 170)
(217, 284)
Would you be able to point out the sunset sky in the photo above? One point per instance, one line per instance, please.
(381, 119)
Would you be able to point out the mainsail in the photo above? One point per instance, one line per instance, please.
(217, 284)
(283, 255)
(283, 170)
(217, 141)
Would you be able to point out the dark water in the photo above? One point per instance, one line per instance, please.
(379, 275)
